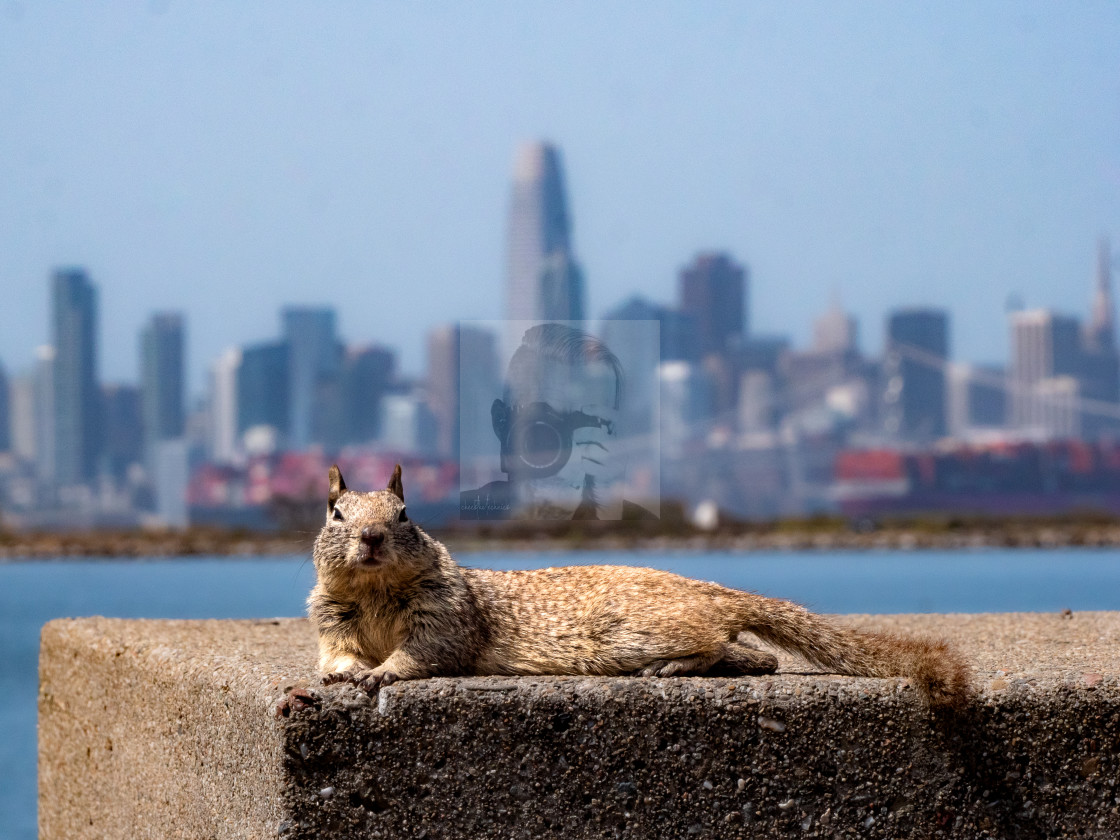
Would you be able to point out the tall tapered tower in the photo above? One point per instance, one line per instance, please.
(544, 281)
(1100, 362)
(1100, 333)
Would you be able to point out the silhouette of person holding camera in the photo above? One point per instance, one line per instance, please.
(556, 424)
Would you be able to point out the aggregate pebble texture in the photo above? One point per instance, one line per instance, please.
(181, 729)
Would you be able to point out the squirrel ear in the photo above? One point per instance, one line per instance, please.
(338, 486)
(395, 486)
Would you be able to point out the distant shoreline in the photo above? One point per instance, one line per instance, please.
(811, 535)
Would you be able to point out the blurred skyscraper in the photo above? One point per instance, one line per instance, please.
(314, 364)
(1046, 366)
(479, 384)
(162, 386)
(77, 420)
(1047, 373)
(685, 404)
(633, 333)
(262, 388)
(831, 373)
(544, 281)
(5, 413)
(835, 331)
(1101, 375)
(443, 387)
(678, 332)
(222, 407)
(46, 432)
(162, 397)
(757, 402)
(1100, 333)
(407, 424)
(914, 371)
(172, 475)
(462, 377)
(22, 415)
(713, 294)
(125, 438)
(367, 374)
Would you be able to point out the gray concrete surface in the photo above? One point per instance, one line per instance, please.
(169, 729)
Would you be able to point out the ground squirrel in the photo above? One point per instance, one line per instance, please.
(390, 604)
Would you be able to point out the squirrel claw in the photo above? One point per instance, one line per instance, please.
(371, 682)
(368, 680)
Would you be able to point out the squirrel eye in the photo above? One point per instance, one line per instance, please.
(337, 515)
(402, 517)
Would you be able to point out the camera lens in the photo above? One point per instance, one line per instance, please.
(539, 442)
(541, 445)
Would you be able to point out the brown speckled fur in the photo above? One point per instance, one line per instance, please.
(412, 612)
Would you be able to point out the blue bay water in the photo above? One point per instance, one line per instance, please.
(32, 593)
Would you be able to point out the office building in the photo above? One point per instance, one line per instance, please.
(1056, 408)
(677, 330)
(262, 388)
(162, 400)
(367, 375)
(224, 445)
(480, 382)
(633, 333)
(1100, 332)
(314, 364)
(5, 412)
(758, 408)
(1044, 346)
(713, 294)
(162, 385)
(763, 352)
(77, 421)
(462, 380)
(914, 372)
(1100, 380)
(808, 376)
(443, 387)
(407, 425)
(561, 289)
(46, 433)
(172, 475)
(125, 439)
(830, 375)
(686, 398)
(22, 409)
(543, 279)
(835, 332)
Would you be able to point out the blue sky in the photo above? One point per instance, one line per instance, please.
(227, 159)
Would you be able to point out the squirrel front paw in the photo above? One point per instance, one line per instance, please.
(368, 680)
(337, 677)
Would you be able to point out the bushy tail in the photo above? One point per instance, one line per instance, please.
(932, 665)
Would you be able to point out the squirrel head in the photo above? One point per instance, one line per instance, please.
(366, 533)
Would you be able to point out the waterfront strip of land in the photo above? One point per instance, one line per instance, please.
(821, 534)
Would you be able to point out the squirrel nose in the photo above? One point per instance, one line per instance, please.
(373, 536)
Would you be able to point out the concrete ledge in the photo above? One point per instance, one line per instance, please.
(169, 729)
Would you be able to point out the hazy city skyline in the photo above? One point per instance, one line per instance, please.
(212, 160)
